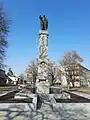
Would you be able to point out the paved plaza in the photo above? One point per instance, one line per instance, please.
(61, 111)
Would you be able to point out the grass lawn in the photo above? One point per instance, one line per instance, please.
(5, 86)
(84, 89)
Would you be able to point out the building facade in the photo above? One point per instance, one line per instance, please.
(77, 75)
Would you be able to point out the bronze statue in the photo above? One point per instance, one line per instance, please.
(44, 22)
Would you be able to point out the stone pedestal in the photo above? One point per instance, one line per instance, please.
(42, 86)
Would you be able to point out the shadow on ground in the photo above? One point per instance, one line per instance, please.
(62, 111)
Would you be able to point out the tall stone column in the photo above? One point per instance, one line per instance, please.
(43, 55)
(43, 45)
(42, 82)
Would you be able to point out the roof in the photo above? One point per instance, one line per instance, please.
(2, 70)
(85, 68)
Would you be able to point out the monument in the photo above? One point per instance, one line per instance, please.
(42, 82)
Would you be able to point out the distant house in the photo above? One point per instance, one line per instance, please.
(11, 78)
(87, 71)
(77, 75)
(29, 78)
(88, 77)
(3, 77)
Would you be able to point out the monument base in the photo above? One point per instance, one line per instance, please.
(42, 86)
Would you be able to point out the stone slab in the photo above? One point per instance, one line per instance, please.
(33, 96)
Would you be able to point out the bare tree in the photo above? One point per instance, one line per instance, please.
(54, 73)
(71, 62)
(32, 69)
(21, 76)
(4, 29)
(71, 58)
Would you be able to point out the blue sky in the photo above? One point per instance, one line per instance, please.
(69, 29)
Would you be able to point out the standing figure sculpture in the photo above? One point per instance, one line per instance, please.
(44, 22)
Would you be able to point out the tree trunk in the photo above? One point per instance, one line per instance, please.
(34, 80)
(52, 79)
